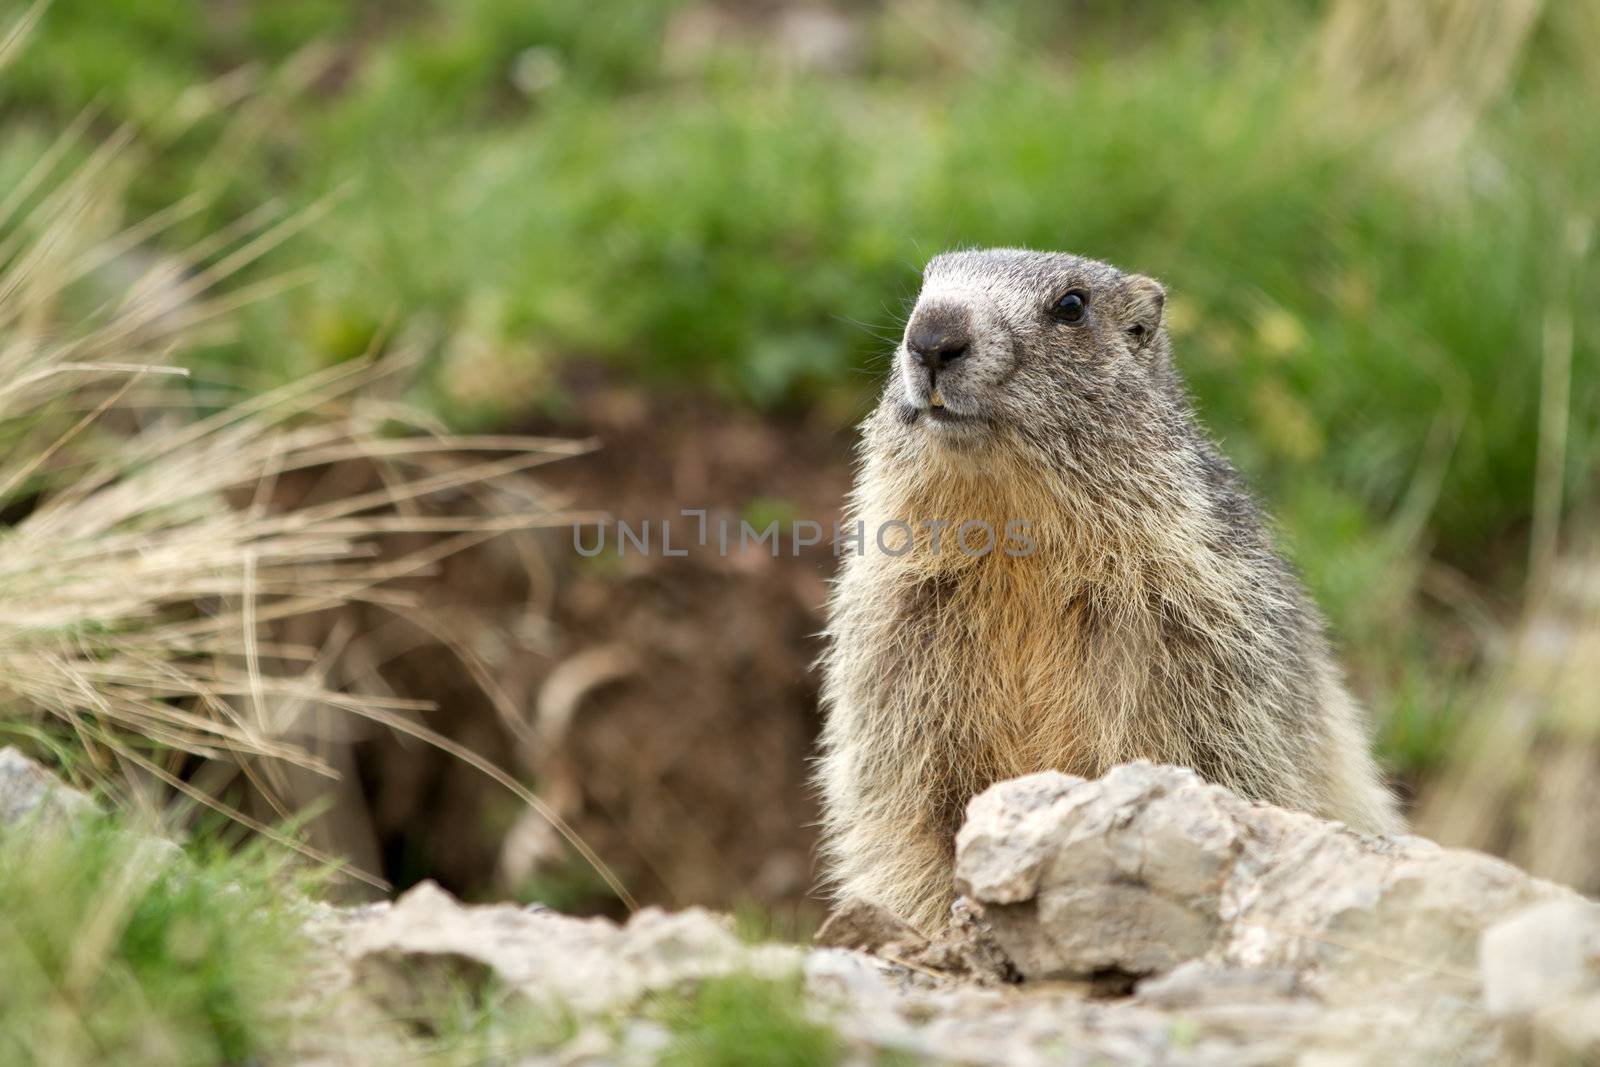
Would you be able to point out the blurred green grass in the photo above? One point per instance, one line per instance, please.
(746, 1021)
(116, 950)
(1369, 242)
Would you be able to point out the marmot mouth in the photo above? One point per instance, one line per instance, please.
(911, 414)
(954, 429)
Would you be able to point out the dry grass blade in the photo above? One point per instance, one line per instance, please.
(1524, 781)
(18, 31)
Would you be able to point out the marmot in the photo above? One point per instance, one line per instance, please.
(1141, 613)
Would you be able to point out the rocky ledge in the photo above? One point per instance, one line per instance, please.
(1147, 917)
(1144, 918)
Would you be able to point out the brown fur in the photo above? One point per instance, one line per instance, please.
(1153, 619)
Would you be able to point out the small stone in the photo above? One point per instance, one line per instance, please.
(29, 791)
(1540, 956)
(867, 927)
(1541, 973)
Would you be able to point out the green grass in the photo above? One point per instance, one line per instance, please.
(115, 953)
(746, 1021)
(465, 1026)
(737, 1020)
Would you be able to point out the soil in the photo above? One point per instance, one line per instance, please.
(665, 706)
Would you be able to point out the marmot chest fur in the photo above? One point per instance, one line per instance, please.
(1054, 568)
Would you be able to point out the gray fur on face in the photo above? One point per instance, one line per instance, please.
(1026, 369)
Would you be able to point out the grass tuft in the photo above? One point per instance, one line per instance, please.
(116, 951)
(745, 1021)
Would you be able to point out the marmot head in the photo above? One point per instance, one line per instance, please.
(1044, 348)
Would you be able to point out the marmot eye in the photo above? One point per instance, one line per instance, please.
(1071, 307)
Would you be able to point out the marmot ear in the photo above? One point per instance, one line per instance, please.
(1142, 310)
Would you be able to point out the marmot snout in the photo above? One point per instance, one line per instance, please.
(1150, 618)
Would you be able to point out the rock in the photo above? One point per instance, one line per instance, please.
(1151, 866)
(407, 955)
(866, 927)
(1153, 918)
(847, 977)
(32, 797)
(1082, 878)
(1541, 955)
(1541, 973)
(1007, 838)
(1195, 985)
(29, 791)
(1252, 920)
(964, 947)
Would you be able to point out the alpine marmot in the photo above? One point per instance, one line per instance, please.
(1053, 567)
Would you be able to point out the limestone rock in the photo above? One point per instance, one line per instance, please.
(1152, 918)
(964, 947)
(1540, 956)
(867, 927)
(406, 956)
(29, 791)
(1541, 973)
(1152, 866)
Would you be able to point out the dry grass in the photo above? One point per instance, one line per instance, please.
(145, 561)
(1522, 776)
(1524, 782)
(1435, 64)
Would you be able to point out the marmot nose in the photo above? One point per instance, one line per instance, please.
(938, 336)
